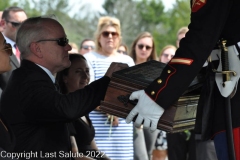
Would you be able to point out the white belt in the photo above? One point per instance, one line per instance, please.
(234, 65)
(217, 52)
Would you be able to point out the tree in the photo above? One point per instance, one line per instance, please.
(149, 15)
(75, 27)
(153, 19)
(178, 17)
(135, 16)
(164, 24)
(4, 4)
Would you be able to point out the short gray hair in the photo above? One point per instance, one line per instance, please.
(31, 30)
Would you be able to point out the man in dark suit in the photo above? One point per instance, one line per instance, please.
(37, 112)
(12, 17)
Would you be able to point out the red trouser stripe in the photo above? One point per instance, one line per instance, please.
(236, 137)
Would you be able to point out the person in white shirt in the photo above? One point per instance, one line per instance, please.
(115, 138)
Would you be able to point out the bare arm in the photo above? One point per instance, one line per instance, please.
(75, 149)
(74, 144)
(94, 146)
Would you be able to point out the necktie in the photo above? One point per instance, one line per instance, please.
(57, 88)
(17, 53)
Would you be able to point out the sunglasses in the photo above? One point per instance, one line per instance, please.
(14, 24)
(141, 46)
(123, 52)
(166, 55)
(86, 47)
(60, 41)
(106, 34)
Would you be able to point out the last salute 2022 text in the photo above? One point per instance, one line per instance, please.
(60, 154)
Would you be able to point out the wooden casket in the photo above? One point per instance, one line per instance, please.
(180, 116)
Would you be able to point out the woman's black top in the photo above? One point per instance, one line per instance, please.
(7, 138)
(84, 134)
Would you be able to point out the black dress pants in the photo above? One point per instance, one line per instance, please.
(179, 148)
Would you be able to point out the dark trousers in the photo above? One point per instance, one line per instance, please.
(205, 150)
(144, 142)
(179, 148)
(220, 142)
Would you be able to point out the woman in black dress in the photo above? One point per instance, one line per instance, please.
(82, 131)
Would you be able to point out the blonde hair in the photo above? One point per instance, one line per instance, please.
(166, 47)
(105, 22)
(182, 30)
(132, 53)
(73, 45)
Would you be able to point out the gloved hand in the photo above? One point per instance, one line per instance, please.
(147, 110)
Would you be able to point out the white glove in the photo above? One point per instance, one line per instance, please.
(147, 110)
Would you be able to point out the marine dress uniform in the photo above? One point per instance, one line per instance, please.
(211, 20)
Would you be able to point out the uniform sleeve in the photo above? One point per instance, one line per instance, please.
(208, 19)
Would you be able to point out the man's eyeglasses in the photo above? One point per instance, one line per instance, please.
(106, 34)
(141, 46)
(123, 52)
(60, 41)
(86, 47)
(14, 24)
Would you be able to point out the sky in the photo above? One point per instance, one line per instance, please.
(96, 5)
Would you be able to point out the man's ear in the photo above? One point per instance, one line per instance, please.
(2, 23)
(35, 49)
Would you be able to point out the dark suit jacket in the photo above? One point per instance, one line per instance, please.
(38, 114)
(7, 138)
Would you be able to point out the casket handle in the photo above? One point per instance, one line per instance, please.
(125, 100)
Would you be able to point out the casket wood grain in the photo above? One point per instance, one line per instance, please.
(178, 117)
